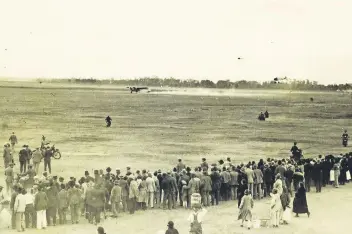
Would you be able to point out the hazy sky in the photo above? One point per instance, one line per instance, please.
(180, 38)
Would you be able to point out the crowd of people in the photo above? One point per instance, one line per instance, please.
(38, 201)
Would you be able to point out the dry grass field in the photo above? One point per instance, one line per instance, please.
(151, 130)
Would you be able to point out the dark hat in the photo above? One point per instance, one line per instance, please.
(96, 172)
(61, 179)
(159, 171)
(24, 146)
(170, 224)
(108, 169)
(86, 173)
(55, 177)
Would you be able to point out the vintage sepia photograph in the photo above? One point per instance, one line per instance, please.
(175, 116)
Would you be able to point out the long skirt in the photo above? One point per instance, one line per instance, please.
(300, 206)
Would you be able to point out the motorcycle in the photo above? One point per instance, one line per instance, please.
(56, 151)
(345, 142)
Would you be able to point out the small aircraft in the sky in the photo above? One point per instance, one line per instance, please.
(136, 89)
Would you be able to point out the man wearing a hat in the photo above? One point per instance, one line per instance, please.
(124, 192)
(116, 198)
(171, 229)
(23, 158)
(47, 158)
(87, 176)
(180, 166)
(97, 178)
(7, 155)
(128, 169)
(204, 164)
(13, 140)
(118, 172)
(29, 153)
(37, 158)
(74, 198)
(133, 194)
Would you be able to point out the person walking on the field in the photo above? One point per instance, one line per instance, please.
(37, 158)
(19, 209)
(23, 158)
(345, 138)
(108, 121)
(29, 154)
(13, 140)
(47, 159)
(7, 156)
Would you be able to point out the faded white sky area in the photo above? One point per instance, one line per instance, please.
(179, 38)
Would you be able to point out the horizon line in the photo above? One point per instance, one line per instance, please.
(16, 79)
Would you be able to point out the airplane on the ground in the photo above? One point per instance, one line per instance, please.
(281, 80)
(136, 89)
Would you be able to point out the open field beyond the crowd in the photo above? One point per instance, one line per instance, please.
(151, 130)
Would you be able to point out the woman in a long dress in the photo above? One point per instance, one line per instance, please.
(300, 205)
(246, 207)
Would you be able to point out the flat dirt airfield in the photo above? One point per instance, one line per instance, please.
(151, 130)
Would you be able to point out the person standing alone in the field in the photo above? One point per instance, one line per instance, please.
(23, 158)
(345, 138)
(108, 121)
(13, 140)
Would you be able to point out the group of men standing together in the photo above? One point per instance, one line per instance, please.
(29, 161)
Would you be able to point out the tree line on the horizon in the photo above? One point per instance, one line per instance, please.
(221, 84)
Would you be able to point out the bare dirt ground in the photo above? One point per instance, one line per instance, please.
(152, 130)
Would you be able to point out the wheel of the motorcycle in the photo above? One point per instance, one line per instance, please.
(57, 155)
